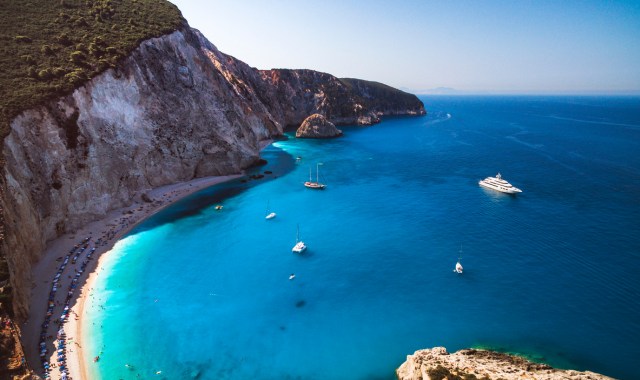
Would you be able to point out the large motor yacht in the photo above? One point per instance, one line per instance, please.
(499, 184)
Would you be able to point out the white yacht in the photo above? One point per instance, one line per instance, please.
(499, 184)
(300, 246)
(315, 185)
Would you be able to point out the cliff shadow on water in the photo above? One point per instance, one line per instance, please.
(278, 163)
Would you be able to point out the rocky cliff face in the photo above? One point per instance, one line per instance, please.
(437, 363)
(342, 101)
(175, 109)
(169, 113)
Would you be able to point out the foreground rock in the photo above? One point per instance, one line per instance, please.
(317, 126)
(437, 363)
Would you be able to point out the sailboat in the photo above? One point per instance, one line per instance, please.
(315, 185)
(458, 265)
(269, 215)
(300, 246)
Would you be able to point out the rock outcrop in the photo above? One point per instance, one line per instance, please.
(317, 126)
(173, 110)
(437, 363)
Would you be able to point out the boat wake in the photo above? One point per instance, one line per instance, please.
(438, 117)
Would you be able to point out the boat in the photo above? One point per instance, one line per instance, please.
(300, 246)
(315, 185)
(270, 215)
(218, 207)
(499, 184)
(459, 268)
(292, 276)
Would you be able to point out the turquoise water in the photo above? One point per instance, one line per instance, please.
(550, 273)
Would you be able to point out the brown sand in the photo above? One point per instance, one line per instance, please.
(114, 225)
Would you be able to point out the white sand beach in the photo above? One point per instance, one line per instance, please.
(102, 235)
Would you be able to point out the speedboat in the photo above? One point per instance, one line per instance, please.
(499, 184)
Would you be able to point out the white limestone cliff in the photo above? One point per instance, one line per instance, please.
(437, 363)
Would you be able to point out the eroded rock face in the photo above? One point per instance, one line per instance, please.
(342, 101)
(317, 126)
(437, 362)
(170, 112)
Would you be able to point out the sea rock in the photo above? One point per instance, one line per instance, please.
(317, 126)
(437, 363)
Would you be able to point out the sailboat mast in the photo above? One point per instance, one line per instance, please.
(318, 172)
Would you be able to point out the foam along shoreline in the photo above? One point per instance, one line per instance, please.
(60, 279)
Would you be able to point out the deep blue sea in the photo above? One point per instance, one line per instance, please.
(552, 273)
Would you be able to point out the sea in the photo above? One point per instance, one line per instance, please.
(551, 273)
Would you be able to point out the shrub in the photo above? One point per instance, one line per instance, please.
(46, 50)
(63, 39)
(22, 39)
(58, 72)
(78, 57)
(28, 59)
(32, 72)
(76, 77)
(44, 74)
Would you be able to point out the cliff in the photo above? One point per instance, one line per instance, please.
(437, 363)
(174, 109)
(302, 93)
(167, 113)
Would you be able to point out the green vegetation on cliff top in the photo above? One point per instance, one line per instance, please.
(50, 47)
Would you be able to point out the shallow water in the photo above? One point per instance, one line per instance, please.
(551, 272)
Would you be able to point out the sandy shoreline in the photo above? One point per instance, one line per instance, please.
(103, 234)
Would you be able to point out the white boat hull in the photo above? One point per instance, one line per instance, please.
(270, 216)
(315, 185)
(498, 184)
(502, 189)
(299, 247)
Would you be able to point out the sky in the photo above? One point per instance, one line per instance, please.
(492, 47)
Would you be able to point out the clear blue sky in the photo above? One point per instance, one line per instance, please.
(561, 46)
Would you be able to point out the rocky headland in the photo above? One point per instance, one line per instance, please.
(436, 363)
